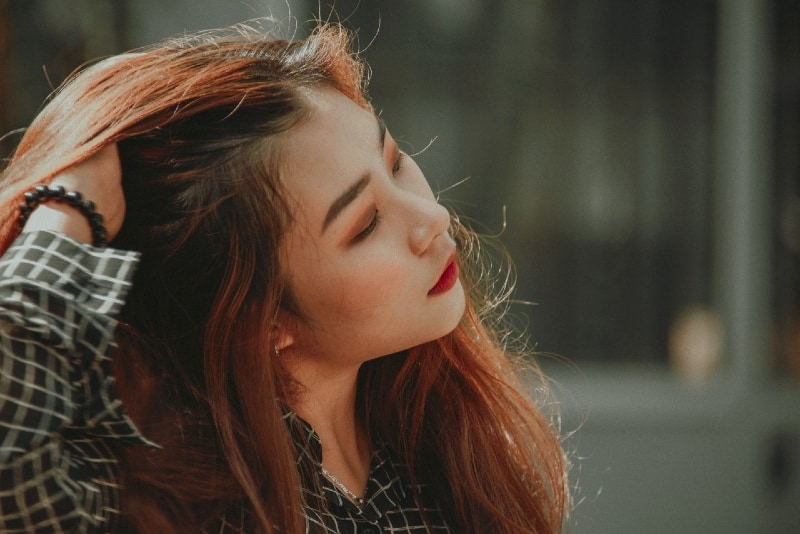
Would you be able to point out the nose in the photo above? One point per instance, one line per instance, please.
(429, 220)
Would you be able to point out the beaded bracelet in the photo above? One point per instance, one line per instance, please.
(42, 193)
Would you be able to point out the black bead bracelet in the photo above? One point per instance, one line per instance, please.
(42, 193)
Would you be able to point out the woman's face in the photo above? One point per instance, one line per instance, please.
(369, 258)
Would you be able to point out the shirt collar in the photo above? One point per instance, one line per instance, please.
(386, 487)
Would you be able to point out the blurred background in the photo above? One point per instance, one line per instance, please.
(640, 159)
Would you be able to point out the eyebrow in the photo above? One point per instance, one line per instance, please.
(352, 192)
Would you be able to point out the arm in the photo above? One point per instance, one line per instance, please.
(59, 413)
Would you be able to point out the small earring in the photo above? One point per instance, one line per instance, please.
(277, 351)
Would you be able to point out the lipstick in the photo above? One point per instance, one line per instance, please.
(446, 281)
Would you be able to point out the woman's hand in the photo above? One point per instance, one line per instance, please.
(98, 179)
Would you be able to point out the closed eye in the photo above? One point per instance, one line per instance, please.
(373, 224)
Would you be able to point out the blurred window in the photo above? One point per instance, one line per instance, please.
(786, 287)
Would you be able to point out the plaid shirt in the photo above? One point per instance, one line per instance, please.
(60, 417)
(389, 504)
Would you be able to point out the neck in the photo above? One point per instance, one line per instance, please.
(327, 401)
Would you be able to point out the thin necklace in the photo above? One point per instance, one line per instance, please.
(358, 501)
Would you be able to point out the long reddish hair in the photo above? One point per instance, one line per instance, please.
(200, 123)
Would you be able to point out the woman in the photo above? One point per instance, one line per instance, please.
(285, 313)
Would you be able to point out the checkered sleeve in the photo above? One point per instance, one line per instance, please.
(60, 416)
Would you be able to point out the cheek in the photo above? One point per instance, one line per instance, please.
(355, 291)
(373, 284)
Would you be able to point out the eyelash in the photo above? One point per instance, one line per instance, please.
(373, 223)
(398, 164)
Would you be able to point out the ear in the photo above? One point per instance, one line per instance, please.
(284, 338)
(283, 332)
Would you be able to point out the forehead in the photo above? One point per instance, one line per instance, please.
(326, 153)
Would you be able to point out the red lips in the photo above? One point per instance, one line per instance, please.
(447, 280)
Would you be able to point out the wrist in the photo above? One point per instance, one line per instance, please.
(62, 219)
(53, 208)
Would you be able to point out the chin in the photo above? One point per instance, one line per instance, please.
(455, 310)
